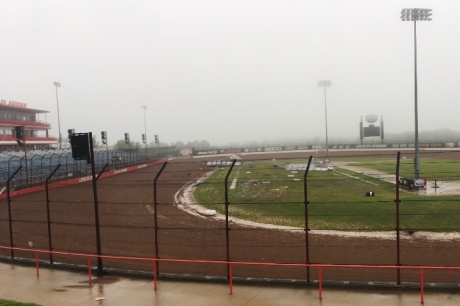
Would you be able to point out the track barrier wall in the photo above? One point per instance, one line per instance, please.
(291, 217)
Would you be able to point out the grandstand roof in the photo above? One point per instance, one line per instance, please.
(24, 110)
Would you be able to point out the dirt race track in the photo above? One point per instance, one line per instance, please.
(127, 229)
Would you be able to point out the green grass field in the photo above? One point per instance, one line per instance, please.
(14, 303)
(430, 168)
(268, 193)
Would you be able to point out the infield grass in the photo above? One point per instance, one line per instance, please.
(266, 192)
(14, 303)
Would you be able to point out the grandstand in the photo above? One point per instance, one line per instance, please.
(35, 129)
(41, 163)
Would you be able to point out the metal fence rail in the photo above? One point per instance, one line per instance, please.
(231, 264)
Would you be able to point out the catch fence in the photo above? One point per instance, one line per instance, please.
(37, 165)
(285, 210)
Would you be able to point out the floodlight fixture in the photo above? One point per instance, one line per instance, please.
(416, 14)
(324, 83)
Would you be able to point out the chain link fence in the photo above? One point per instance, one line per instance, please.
(359, 209)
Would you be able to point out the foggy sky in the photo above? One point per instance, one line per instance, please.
(230, 71)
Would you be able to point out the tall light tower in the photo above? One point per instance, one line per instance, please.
(57, 84)
(324, 84)
(145, 130)
(416, 14)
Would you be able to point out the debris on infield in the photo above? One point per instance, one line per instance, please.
(209, 212)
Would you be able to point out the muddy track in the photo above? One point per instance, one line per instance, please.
(127, 228)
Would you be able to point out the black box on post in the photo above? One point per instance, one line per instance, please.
(80, 146)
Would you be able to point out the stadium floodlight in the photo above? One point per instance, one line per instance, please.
(104, 137)
(144, 138)
(324, 84)
(416, 14)
(57, 84)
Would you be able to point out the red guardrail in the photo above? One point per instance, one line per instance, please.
(230, 265)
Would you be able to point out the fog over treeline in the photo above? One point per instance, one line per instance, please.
(439, 135)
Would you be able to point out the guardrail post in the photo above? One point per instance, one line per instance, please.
(155, 217)
(36, 264)
(155, 270)
(230, 266)
(422, 298)
(48, 212)
(9, 208)
(227, 229)
(89, 270)
(320, 282)
(307, 253)
(397, 201)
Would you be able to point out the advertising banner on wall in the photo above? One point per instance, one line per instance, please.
(323, 147)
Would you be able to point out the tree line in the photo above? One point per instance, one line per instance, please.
(439, 135)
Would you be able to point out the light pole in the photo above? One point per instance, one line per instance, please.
(145, 131)
(57, 84)
(324, 84)
(416, 14)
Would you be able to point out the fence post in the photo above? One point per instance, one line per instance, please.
(41, 169)
(31, 172)
(51, 161)
(96, 205)
(397, 201)
(9, 208)
(66, 161)
(227, 229)
(155, 215)
(48, 212)
(307, 253)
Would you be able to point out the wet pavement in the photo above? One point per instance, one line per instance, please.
(60, 287)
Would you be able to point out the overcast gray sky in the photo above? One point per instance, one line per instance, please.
(230, 71)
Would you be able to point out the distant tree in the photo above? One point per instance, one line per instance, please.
(95, 141)
(122, 145)
(202, 144)
(178, 144)
(233, 144)
(192, 144)
(153, 144)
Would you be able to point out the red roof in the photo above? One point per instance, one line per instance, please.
(19, 109)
